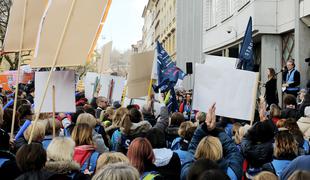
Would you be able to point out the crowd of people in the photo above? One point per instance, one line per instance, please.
(108, 141)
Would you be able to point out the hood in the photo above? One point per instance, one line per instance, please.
(140, 127)
(81, 153)
(260, 154)
(162, 156)
(61, 167)
(304, 120)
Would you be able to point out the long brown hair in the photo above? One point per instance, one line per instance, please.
(82, 135)
(285, 145)
(272, 73)
(140, 154)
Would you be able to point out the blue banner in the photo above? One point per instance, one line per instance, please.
(246, 53)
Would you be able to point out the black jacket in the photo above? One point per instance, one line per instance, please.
(271, 94)
(290, 113)
(9, 169)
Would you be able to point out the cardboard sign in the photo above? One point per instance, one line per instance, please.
(64, 83)
(110, 86)
(139, 74)
(221, 62)
(78, 37)
(233, 90)
(34, 12)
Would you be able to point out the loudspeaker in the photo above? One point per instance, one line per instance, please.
(189, 68)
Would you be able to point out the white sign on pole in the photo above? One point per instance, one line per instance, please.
(64, 91)
(221, 62)
(233, 90)
(105, 85)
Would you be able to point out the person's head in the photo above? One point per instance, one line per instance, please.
(89, 109)
(4, 140)
(265, 175)
(290, 64)
(140, 153)
(261, 132)
(31, 157)
(82, 135)
(307, 111)
(188, 97)
(210, 148)
(199, 167)
(213, 174)
(117, 171)
(102, 102)
(241, 132)
(126, 123)
(156, 138)
(79, 110)
(235, 128)
(110, 158)
(275, 111)
(107, 114)
(301, 94)
(293, 127)
(201, 117)
(300, 175)
(136, 115)
(289, 100)
(86, 118)
(176, 119)
(119, 115)
(49, 127)
(60, 149)
(25, 111)
(45, 116)
(7, 120)
(271, 73)
(285, 145)
(186, 130)
(38, 132)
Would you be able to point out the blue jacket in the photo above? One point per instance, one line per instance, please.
(232, 160)
(300, 163)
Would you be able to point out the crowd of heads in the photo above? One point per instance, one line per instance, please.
(110, 141)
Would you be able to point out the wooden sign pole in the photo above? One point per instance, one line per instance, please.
(52, 68)
(54, 113)
(18, 71)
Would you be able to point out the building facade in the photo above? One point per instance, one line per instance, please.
(160, 25)
(279, 32)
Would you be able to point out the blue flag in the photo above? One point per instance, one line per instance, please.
(246, 53)
(168, 75)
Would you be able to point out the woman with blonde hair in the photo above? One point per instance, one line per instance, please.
(60, 158)
(284, 151)
(49, 131)
(265, 175)
(98, 139)
(117, 171)
(212, 143)
(85, 151)
(116, 120)
(110, 158)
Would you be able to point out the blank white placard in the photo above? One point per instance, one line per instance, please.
(221, 62)
(233, 90)
(64, 83)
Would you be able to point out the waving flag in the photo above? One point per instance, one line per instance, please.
(168, 75)
(246, 53)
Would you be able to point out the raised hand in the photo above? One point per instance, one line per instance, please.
(211, 118)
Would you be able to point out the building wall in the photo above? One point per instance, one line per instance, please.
(189, 35)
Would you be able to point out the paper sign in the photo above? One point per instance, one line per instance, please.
(64, 91)
(34, 12)
(233, 90)
(106, 86)
(221, 62)
(78, 38)
(139, 74)
(104, 62)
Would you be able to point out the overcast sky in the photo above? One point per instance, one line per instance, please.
(124, 24)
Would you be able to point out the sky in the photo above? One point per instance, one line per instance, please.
(123, 25)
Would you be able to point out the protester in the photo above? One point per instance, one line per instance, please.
(301, 163)
(291, 78)
(200, 118)
(304, 124)
(275, 113)
(265, 175)
(7, 121)
(271, 93)
(110, 158)
(199, 166)
(101, 104)
(304, 104)
(292, 126)
(49, 131)
(172, 130)
(117, 171)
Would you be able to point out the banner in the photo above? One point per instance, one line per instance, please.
(221, 62)
(78, 37)
(233, 90)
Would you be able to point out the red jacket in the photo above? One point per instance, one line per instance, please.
(82, 153)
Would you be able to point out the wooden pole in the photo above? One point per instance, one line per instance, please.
(18, 71)
(54, 114)
(150, 88)
(52, 68)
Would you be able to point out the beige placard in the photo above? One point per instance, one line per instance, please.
(34, 12)
(104, 62)
(79, 36)
(139, 74)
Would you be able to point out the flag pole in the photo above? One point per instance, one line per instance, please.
(150, 88)
(18, 71)
(51, 71)
(54, 113)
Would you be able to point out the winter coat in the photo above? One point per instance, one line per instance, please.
(231, 163)
(9, 169)
(301, 163)
(304, 126)
(99, 142)
(168, 163)
(171, 134)
(163, 121)
(290, 113)
(150, 118)
(36, 175)
(67, 168)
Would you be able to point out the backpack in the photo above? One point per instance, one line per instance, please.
(90, 163)
(149, 175)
